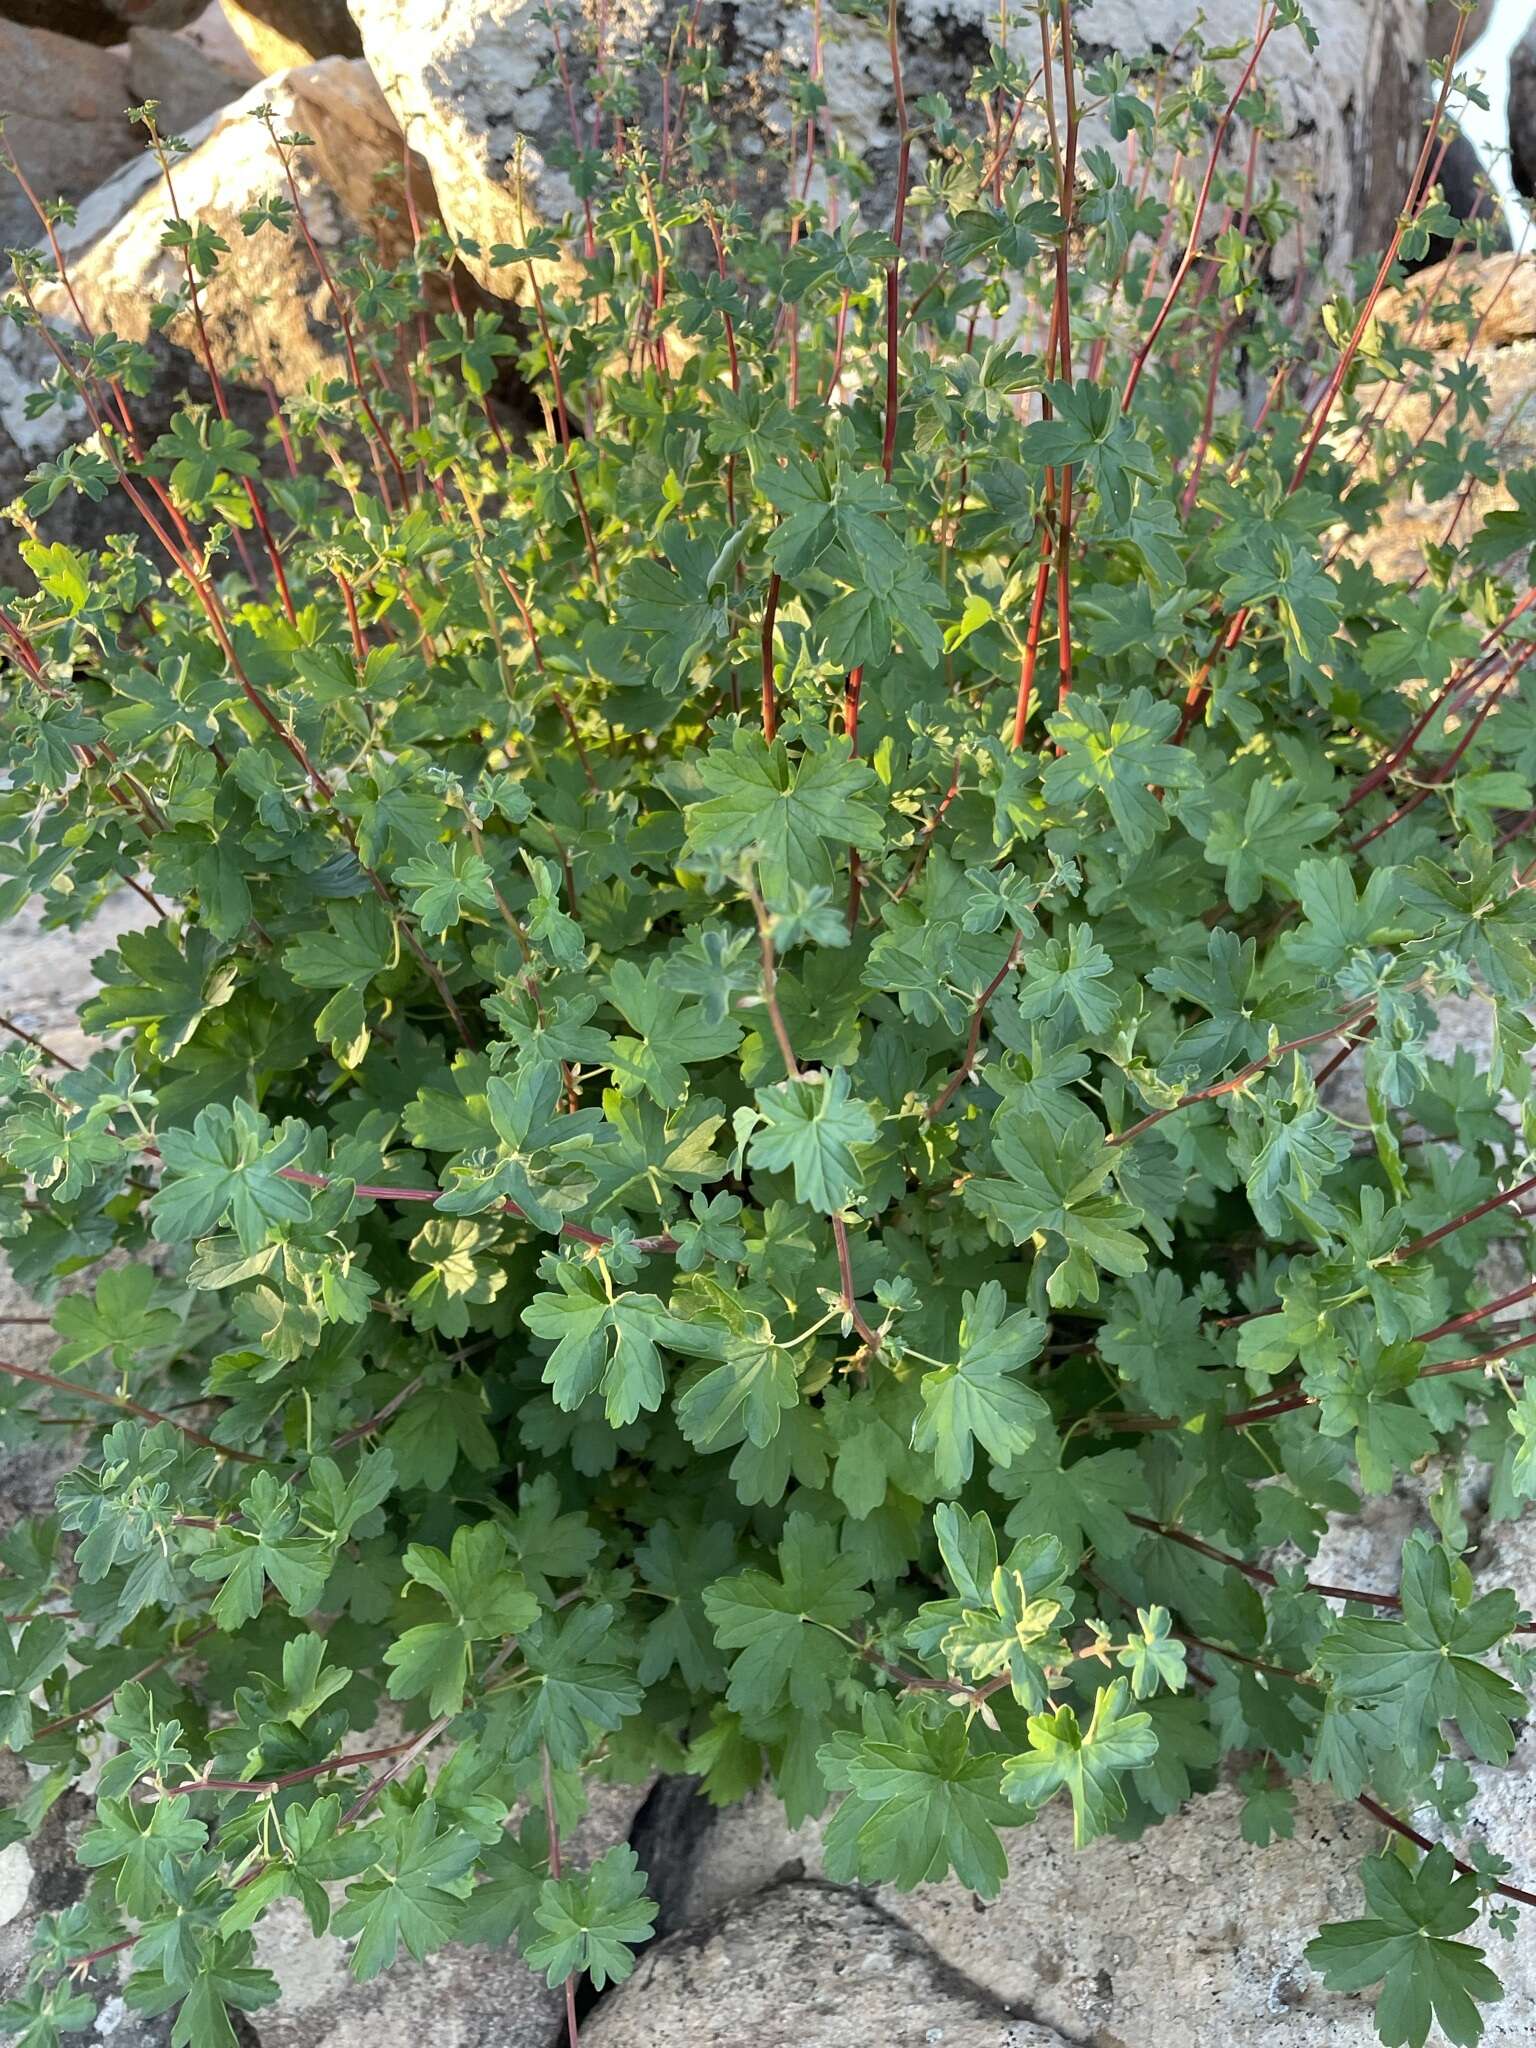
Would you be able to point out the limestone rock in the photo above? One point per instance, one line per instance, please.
(64, 107)
(268, 313)
(803, 1966)
(277, 33)
(174, 70)
(1188, 1938)
(100, 21)
(213, 34)
(44, 978)
(266, 309)
(476, 86)
(457, 1998)
(1503, 313)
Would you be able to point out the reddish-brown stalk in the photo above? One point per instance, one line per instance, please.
(1473, 1215)
(96, 412)
(74, 1388)
(1143, 185)
(557, 697)
(1031, 654)
(354, 623)
(735, 363)
(659, 281)
(1439, 776)
(1062, 321)
(770, 695)
(1267, 20)
(853, 692)
(8, 157)
(1263, 1577)
(343, 307)
(840, 333)
(563, 423)
(99, 1706)
(893, 268)
(1285, 1400)
(1459, 676)
(958, 1078)
(1223, 336)
(590, 232)
(818, 72)
(1375, 420)
(792, 1068)
(205, 350)
(213, 611)
(1240, 1079)
(1419, 195)
(926, 838)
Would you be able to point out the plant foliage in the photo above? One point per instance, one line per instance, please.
(716, 1124)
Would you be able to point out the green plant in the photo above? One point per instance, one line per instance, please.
(715, 1122)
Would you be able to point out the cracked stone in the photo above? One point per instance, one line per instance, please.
(476, 85)
(1179, 1940)
(805, 1965)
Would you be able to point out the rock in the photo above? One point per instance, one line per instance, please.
(266, 308)
(213, 34)
(475, 85)
(100, 21)
(1350, 114)
(803, 1966)
(457, 1998)
(277, 33)
(15, 1881)
(1188, 1938)
(64, 107)
(44, 978)
(45, 974)
(1521, 112)
(466, 83)
(174, 70)
(267, 311)
(1502, 332)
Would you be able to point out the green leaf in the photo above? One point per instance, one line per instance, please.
(446, 884)
(134, 1841)
(414, 1893)
(1089, 1763)
(576, 1689)
(27, 1657)
(1425, 1667)
(230, 1163)
(593, 1923)
(487, 1601)
(1056, 1190)
(979, 1399)
(781, 1627)
(264, 1547)
(919, 1805)
(813, 1125)
(1119, 752)
(1428, 1979)
(605, 1343)
(744, 1396)
(784, 814)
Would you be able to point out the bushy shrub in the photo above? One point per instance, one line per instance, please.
(715, 1121)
